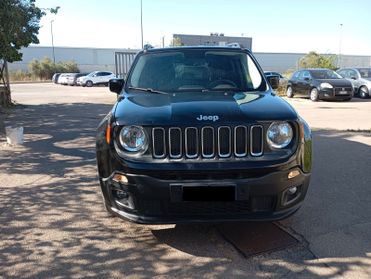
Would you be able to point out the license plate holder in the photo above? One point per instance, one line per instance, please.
(342, 92)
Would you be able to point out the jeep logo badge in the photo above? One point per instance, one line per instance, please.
(208, 117)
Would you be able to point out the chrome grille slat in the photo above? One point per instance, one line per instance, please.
(158, 141)
(175, 142)
(240, 133)
(222, 137)
(189, 137)
(256, 140)
(208, 142)
(205, 145)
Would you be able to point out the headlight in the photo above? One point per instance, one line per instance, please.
(279, 134)
(133, 139)
(326, 85)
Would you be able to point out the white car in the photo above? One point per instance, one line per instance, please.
(63, 78)
(96, 77)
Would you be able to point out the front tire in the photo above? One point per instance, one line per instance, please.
(314, 95)
(363, 92)
(89, 83)
(289, 92)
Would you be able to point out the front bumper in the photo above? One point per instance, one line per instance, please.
(330, 94)
(155, 200)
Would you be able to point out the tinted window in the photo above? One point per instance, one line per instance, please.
(296, 75)
(365, 73)
(195, 70)
(343, 73)
(325, 74)
(306, 74)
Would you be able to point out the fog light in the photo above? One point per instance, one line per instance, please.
(121, 194)
(292, 190)
(293, 174)
(120, 178)
(291, 195)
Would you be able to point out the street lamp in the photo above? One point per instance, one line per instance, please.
(141, 21)
(340, 41)
(51, 30)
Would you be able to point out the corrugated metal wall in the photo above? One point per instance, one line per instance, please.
(91, 59)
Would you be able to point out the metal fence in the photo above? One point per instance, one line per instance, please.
(123, 61)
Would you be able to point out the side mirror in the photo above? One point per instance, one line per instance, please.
(116, 85)
(274, 81)
(353, 77)
(307, 79)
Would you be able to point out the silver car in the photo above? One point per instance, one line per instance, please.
(360, 78)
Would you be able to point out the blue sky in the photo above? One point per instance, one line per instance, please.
(275, 26)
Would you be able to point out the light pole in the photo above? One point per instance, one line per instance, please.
(340, 41)
(51, 30)
(141, 21)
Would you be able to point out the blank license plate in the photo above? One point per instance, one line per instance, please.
(209, 193)
(343, 92)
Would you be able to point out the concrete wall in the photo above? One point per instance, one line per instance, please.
(87, 59)
(91, 59)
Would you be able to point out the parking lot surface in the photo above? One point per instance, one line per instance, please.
(52, 222)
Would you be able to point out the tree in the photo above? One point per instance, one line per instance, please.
(176, 41)
(19, 27)
(315, 60)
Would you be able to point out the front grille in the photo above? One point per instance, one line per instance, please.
(208, 142)
(346, 89)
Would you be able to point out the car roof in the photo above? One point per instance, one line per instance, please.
(222, 48)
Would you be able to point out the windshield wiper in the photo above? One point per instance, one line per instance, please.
(151, 90)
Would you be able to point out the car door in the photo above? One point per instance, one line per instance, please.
(355, 78)
(106, 77)
(301, 84)
(306, 82)
(294, 82)
(98, 77)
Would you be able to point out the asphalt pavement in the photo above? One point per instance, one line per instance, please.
(52, 222)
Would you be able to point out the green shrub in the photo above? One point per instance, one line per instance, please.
(45, 68)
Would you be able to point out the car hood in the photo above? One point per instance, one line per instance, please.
(337, 82)
(211, 108)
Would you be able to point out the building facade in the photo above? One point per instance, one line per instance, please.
(214, 39)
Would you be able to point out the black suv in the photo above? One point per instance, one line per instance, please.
(197, 134)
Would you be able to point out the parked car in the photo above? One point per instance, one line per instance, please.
(319, 84)
(63, 78)
(55, 77)
(72, 78)
(94, 78)
(198, 135)
(282, 79)
(360, 78)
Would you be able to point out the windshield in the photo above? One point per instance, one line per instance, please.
(365, 73)
(196, 70)
(325, 74)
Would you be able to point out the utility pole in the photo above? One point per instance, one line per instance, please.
(141, 20)
(51, 30)
(340, 41)
(163, 41)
